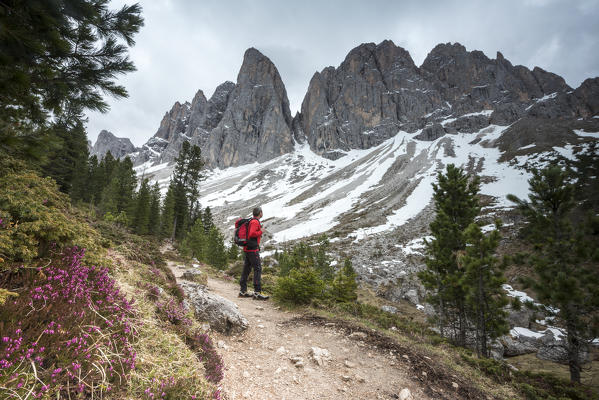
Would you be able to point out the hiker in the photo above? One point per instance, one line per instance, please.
(251, 253)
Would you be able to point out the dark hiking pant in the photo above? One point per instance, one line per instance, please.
(252, 261)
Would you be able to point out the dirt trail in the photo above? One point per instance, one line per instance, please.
(259, 366)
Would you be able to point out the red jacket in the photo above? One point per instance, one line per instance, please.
(254, 232)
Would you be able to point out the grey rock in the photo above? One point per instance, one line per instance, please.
(412, 296)
(431, 132)
(364, 101)
(223, 315)
(515, 347)
(389, 309)
(320, 356)
(174, 122)
(521, 317)
(256, 125)
(496, 350)
(195, 275)
(107, 142)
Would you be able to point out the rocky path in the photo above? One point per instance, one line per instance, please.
(286, 356)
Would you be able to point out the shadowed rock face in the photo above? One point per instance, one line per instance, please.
(174, 122)
(376, 90)
(118, 147)
(256, 125)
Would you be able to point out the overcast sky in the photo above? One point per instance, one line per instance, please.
(188, 45)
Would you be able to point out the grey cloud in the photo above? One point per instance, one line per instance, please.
(190, 45)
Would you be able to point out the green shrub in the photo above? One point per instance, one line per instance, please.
(301, 286)
(34, 216)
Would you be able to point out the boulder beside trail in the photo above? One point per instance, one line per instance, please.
(223, 315)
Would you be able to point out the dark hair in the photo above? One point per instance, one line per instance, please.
(257, 211)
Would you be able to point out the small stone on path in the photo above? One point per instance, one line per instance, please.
(349, 364)
(405, 394)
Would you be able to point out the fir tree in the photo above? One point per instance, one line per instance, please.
(456, 207)
(57, 59)
(141, 216)
(185, 187)
(214, 249)
(566, 277)
(207, 219)
(233, 252)
(483, 279)
(66, 164)
(322, 262)
(344, 287)
(127, 182)
(154, 224)
(195, 241)
(108, 198)
(167, 217)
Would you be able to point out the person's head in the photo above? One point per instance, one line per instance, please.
(257, 212)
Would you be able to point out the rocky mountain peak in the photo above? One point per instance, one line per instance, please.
(107, 141)
(175, 121)
(256, 124)
(364, 101)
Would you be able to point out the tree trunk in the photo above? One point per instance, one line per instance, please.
(573, 353)
(481, 315)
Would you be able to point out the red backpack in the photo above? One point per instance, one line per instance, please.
(242, 227)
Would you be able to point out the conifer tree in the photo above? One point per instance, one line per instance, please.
(154, 224)
(185, 186)
(141, 216)
(233, 252)
(108, 198)
(566, 276)
(214, 249)
(322, 261)
(167, 217)
(195, 241)
(344, 287)
(57, 59)
(66, 163)
(483, 279)
(127, 183)
(207, 219)
(107, 166)
(456, 207)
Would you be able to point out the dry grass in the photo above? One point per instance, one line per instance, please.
(529, 362)
(162, 355)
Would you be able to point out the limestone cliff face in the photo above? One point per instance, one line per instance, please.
(256, 125)
(118, 147)
(375, 91)
(174, 122)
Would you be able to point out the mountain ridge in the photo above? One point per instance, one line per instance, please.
(376, 91)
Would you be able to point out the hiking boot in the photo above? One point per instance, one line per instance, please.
(244, 294)
(260, 296)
